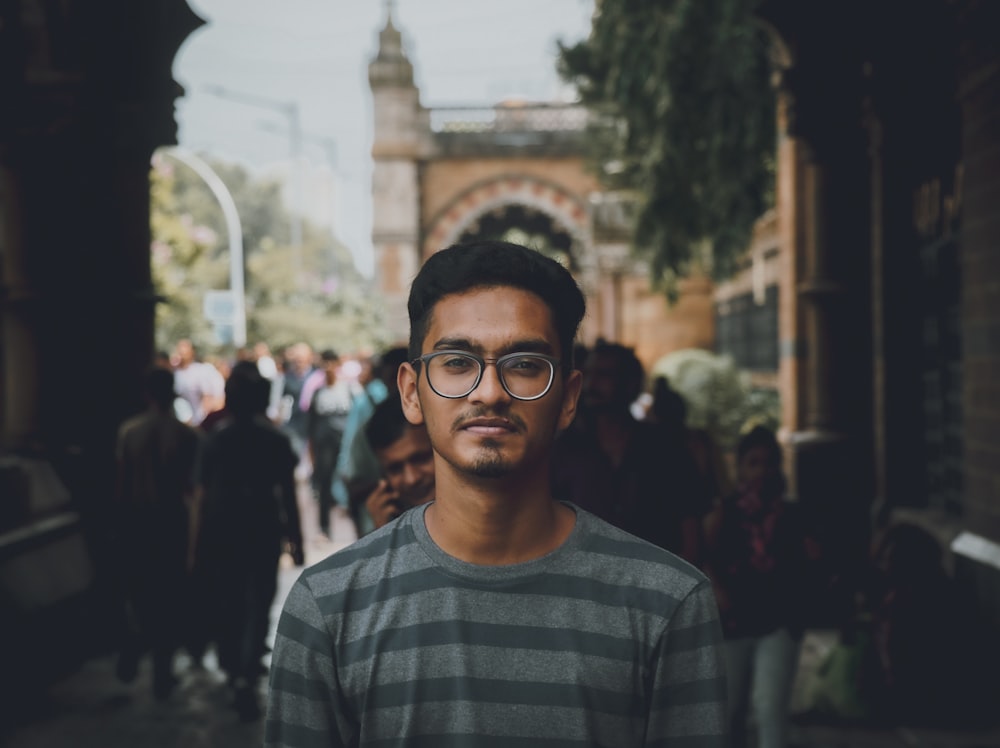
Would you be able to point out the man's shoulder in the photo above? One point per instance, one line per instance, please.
(642, 561)
(130, 424)
(366, 560)
(183, 431)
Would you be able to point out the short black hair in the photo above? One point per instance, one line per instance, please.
(247, 391)
(387, 363)
(159, 386)
(329, 355)
(492, 264)
(759, 436)
(630, 372)
(387, 423)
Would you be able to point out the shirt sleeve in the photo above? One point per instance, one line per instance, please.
(689, 681)
(304, 704)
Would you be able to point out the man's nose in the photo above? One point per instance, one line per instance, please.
(489, 389)
(410, 475)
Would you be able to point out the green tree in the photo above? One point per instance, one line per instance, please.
(685, 120)
(312, 293)
(182, 263)
(719, 396)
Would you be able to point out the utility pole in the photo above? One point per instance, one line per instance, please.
(290, 110)
(329, 147)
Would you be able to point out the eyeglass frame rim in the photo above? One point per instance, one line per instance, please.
(554, 362)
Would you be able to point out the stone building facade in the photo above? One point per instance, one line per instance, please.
(447, 175)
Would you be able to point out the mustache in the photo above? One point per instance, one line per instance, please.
(482, 412)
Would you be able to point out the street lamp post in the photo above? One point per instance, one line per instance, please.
(233, 228)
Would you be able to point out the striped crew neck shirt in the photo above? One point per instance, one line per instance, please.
(606, 641)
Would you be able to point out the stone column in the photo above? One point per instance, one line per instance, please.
(88, 94)
(402, 130)
(93, 99)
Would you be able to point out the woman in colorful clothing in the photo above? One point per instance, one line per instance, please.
(759, 555)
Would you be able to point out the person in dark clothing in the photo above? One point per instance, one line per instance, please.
(248, 516)
(759, 556)
(155, 456)
(634, 474)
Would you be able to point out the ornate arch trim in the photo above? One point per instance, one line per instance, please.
(568, 210)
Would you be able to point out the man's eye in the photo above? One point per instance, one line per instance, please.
(527, 366)
(457, 363)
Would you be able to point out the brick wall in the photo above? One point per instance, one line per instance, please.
(980, 268)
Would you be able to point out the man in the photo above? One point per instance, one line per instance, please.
(637, 475)
(247, 516)
(358, 470)
(292, 416)
(155, 489)
(406, 459)
(200, 384)
(328, 409)
(495, 615)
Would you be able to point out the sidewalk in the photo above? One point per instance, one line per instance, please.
(93, 709)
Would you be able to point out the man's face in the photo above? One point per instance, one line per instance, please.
(760, 470)
(331, 369)
(487, 433)
(300, 357)
(602, 383)
(184, 352)
(408, 466)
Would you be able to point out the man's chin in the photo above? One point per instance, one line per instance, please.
(491, 470)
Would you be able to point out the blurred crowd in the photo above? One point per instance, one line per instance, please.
(211, 474)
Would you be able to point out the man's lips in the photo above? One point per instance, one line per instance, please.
(488, 426)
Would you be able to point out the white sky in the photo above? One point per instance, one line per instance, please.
(316, 53)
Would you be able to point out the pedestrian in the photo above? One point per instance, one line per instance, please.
(358, 469)
(495, 615)
(636, 474)
(668, 409)
(155, 488)
(292, 416)
(761, 557)
(405, 458)
(248, 515)
(199, 383)
(327, 418)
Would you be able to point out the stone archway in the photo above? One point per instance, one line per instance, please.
(556, 219)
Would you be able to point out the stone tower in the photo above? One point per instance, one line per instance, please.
(401, 137)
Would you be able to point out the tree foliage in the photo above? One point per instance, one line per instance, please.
(719, 396)
(685, 117)
(311, 293)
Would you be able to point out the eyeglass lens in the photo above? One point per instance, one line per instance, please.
(456, 375)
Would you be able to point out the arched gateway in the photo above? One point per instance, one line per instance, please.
(515, 171)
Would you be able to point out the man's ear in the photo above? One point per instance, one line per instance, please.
(407, 380)
(571, 396)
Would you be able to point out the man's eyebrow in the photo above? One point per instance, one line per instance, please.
(531, 345)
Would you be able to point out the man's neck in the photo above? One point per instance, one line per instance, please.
(493, 521)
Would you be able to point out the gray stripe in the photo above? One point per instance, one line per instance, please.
(487, 690)
(473, 634)
(556, 586)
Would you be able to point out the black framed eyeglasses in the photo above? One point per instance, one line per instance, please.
(455, 374)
